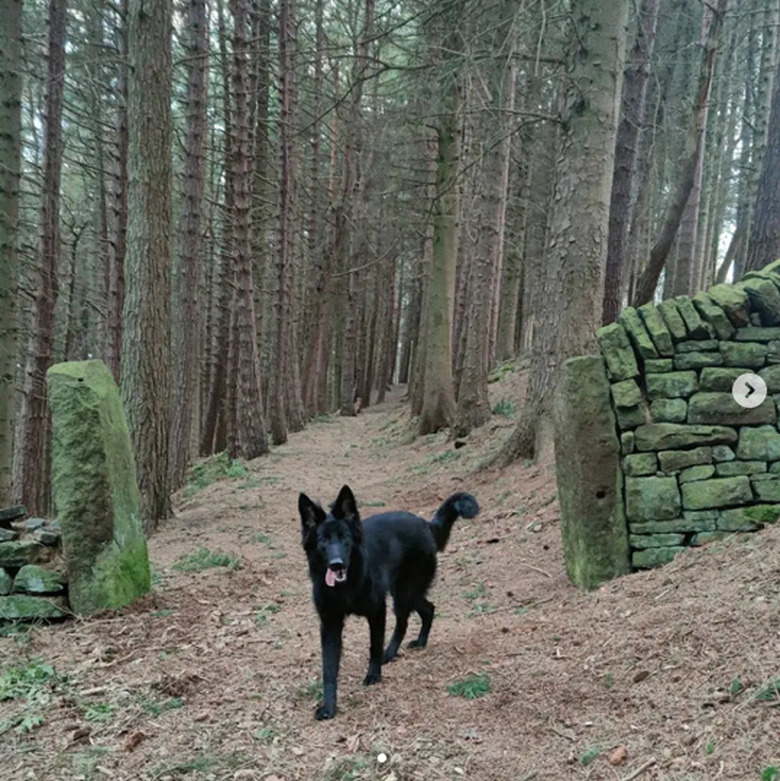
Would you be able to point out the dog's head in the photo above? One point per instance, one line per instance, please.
(331, 537)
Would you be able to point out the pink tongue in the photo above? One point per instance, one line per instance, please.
(330, 577)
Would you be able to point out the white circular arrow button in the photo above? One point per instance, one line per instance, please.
(749, 390)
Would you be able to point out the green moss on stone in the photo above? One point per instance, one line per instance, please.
(95, 489)
(746, 355)
(717, 492)
(670, 436)
(637, 332)
(685, 361)
(674, 385)
(669, 410)
(713, 315)
(652, 498)
(656, 327)
(616, 348)
(721, 409)
(673, 460)
(734, 302)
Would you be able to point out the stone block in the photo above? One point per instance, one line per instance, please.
(656, 327)
(745, 355)
(669, 410)
(761, 443)
(626, 393)
(723, 453)
(731, 468)
(717, 492)
(692, 521)
(670, 436)
(764, 298)
(6, 582)
(673, 385)
(640, 464)
(95, 489)
(660, 365)
(617, 351)
(692, 473)
(721, 409)
(654, 557)
(737, 520)
(23, 607)
(627, 443)
(631, 417)
(655, 540)
(698, 360)
(17, 553)
(674, 322)
(698, 346)
(754, 333)
(766, 487)
(637, 332)
(32, 579)
(697, 327)
(718, 379)
(771, 376)
(674, 460)
(652, 498)
(734, 302)
(714, 315)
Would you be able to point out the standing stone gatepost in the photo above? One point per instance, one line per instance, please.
(95, 489)
(657, 445)
(590, 481)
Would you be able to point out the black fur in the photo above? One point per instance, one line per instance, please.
(353, 565)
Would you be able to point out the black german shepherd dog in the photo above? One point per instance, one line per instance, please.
(353, 565)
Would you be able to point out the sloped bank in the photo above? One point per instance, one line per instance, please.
(653, 453)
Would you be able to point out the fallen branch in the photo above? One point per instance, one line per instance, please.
(641, 769)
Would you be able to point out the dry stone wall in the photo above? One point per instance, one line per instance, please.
(693, 464)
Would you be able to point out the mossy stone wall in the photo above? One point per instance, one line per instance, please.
(694, 465)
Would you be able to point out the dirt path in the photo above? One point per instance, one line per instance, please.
(216, 674)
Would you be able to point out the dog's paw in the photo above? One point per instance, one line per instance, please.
(325, 712)
(372, 678)
(388, 657)
(415, 644)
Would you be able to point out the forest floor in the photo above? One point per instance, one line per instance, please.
(665, 674)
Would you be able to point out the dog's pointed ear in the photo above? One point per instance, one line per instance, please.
(345, 505)
(311, 515)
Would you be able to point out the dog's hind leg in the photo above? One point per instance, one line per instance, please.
(376, 623)
(425, 609)
(401, 622)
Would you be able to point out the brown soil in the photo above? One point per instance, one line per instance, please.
(215, 674)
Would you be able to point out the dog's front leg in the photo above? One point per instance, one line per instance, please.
(376, 623)
(330, 636)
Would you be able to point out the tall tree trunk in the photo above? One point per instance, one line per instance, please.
(112, 349)
(647, 283)
(286, 399)
(186, 329)
(622, 200)
(764, 241)
(438, 392)
(10, 163)
(574, 285)
(350, 194)
(146, 317)
(246, 421)
(223, 280)
(473, 408)
(31, 464)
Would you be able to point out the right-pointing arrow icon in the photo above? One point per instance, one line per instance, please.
(749, 390)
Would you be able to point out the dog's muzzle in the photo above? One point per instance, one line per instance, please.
(336, 573)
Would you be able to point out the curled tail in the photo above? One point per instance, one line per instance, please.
(460, 505)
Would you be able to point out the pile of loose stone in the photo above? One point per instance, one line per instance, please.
(31, 583)
(697, 466)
